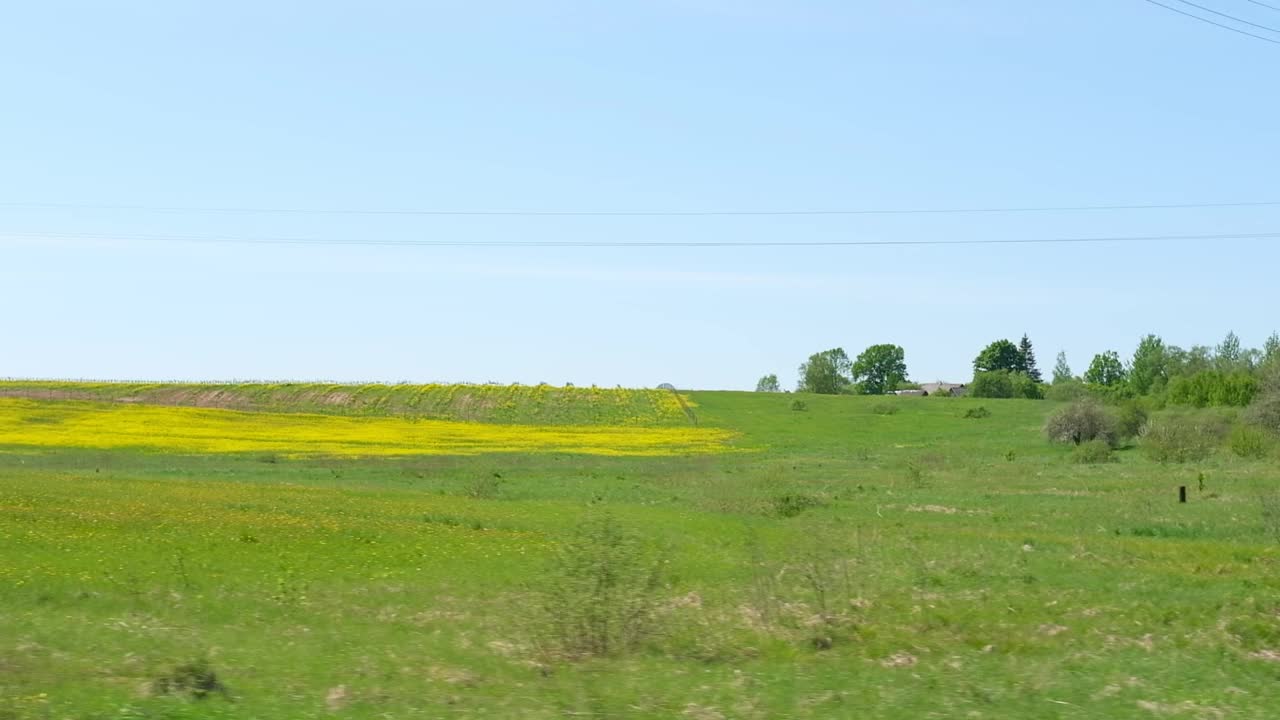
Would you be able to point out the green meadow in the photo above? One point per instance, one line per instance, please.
(863, 557)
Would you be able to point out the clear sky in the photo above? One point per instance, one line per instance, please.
(656, 105)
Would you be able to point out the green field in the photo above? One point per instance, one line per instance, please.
(862, 558)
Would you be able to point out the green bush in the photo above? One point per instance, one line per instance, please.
(1005, 384)
(799, 405)
(1210, 387)
(1179, 438)
(195, 679)
(1264, 413)
(600, 595)
(1249, 442)
(1130, 418)
(1094, 452)
(1068, 391)
(793, 504)
(977, 413)
(885, 409)
(1081, 422)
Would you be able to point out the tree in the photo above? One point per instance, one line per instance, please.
(1227, 355)
(1061, 370)
(768, 383)
(1149, 369)
(1271, 349)
(1188, 362)
(1027, 357)
(879, 369)
(1106, 370)
(826, 372)
(999, 355)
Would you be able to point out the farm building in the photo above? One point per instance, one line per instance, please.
(944, 388)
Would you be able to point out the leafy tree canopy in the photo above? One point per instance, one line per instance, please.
(999, 355)
(768, 383)
(1149, 369)
(1106, 370)
(880, 368)
(826, 372)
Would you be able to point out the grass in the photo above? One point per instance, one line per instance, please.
(838, 562)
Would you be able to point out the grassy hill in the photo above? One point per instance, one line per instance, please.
(862, 558)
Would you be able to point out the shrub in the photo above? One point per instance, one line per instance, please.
(194, 679)
(1178, 439)
(1210, 387)
(1130, 417)
(1264, 413)
(977, 413)
(1081, 422)
(600, 594)
(1094, 452)
(992, 384)
(885, 409)
(1067, 391)
(1005, 384)
(791, 505)
(1249, 442)
(799, 405)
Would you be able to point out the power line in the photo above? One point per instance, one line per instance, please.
(1212, 22)
(1233, 18)
(639, 213)
(1262, 4)
(219, 240)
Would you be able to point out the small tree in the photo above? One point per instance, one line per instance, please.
(768, 383)
(1027, 359)
(999, 355)
(1106, 369)
(1149, 370)
(1080, 422)
(1271, 349)
(1228, 355)
(879, 369)
(1061, 370)
(825, 373)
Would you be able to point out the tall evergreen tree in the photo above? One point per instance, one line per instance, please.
(1027, 359)
(1061, 370)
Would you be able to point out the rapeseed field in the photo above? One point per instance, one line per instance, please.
(31, 423)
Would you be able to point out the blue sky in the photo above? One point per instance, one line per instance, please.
(660, 105)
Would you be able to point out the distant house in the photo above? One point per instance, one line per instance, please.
(944, 388)
(910, 393)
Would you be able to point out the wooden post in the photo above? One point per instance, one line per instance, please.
(1182, 493)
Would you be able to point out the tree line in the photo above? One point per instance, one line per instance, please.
(1227, 374)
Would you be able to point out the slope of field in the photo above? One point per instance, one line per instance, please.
(32, 423)
(868, 558)
(518, 404)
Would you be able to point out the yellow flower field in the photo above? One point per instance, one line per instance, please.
(191, 430)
